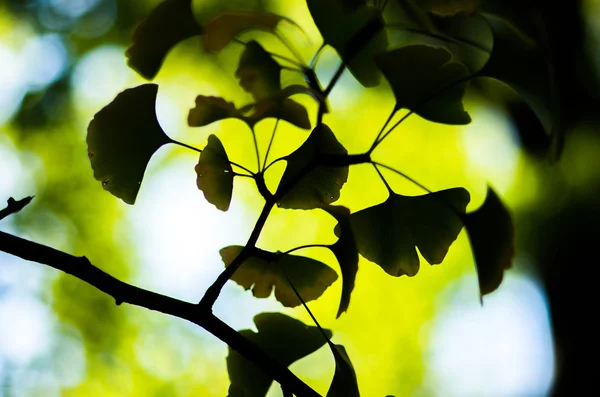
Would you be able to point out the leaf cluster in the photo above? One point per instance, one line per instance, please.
(428, 52)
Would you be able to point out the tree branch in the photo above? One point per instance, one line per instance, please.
(14, 206)
(83, 269)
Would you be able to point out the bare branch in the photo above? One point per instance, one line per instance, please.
(14, 206)
(122, 292)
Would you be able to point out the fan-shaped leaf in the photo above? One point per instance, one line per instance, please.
(122, 138)
(283, 338)
(491, 233)
(346, 252)
(321, 184)
(281, 108)
(339, 21)
(171, 22)
(517, 62)
(467, 37)
(259, 73)
(221, 30)
(388, 233)
(344, 382)
(210, 109)
(426, 81)
(215, 176)
(265, 271)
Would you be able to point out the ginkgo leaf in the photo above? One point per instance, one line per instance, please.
(171, 22)
(284, 338)
(491, 233)
(344, 382)
(388, 233)
(210, 109)
(425, 80)
(215, 175)
(281, 108)
(339, 22)
(221, 30)
(321, 184)
(517, 62)
(467, 37)
(259, 73)
(346, 253)
(122, 138)
(264, 271)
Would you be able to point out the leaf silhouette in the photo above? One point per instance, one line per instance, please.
(283, 338)
(215, 175)
(346, 253)
(339, 21)
(388, 233)
(210, 109)
(517, 62)
(264, 271)
(122, 138)
(281, 108)
(344, 382)
(426, 81)
(491, 233)
(322, 184)
(171, 22)
(259, 73)
(221, 30)
(467, 37)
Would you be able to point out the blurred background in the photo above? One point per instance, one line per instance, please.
(61, 61)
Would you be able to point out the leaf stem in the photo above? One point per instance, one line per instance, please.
(275, 161)
(385, 182)
(417, 107)
(200, 151)
(335, 78)
(315, 58)
(394, 110)
(270, 143)
(402, 174)
(310, 313)
(256, 148)
(185, 145)
(305, 246)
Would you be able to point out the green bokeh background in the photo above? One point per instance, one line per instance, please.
(95, 348)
